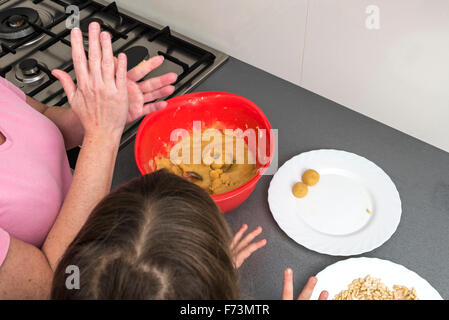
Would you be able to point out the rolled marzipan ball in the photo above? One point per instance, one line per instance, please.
(311, 177)
(300, 190)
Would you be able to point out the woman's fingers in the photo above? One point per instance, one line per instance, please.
(66, 81)
(79, 57)
(159, 93)
(248, 238)
(323, 295)
(120, 76)
(100, 108)
(107, 63)
(244, 254)
(306, 293)
(95, 52)
(158, 82)
(287, 289)
(238, 235)
(145, 67)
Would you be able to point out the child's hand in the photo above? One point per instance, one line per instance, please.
(141, 95)
(241, 249)
(306, 293)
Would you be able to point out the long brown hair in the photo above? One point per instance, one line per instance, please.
(157, 237)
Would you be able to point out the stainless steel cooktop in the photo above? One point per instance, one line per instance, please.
(34, 40)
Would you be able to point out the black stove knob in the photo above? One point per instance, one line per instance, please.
(16, 21)
(29, 67)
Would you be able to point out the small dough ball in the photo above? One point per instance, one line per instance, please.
(215, 184)
(300, 190)
(216, 165)
(215, 174)
(311, 177)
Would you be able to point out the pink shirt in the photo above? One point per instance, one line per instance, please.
(34, 170)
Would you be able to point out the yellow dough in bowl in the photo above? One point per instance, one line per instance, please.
(311, 177)
(300, 190)
(216, 177)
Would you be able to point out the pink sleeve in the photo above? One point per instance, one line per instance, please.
(4, 245)
(13, 88)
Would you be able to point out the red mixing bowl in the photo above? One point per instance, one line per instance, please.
(228, 110)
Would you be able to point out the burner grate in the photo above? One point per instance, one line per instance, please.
(192, 61)
(203, 57)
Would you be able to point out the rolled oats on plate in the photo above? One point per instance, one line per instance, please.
(370, 288)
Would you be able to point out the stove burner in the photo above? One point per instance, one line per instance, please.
(29, 67)
(136, 55)
(14, 22)
(107, 22)
(28, 71)
(84, 25)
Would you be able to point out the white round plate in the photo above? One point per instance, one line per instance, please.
(338, 276)
(354, 208)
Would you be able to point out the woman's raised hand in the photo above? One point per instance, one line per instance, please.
(100, 98)
(306, 293)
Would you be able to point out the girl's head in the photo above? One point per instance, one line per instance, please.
(157, 237)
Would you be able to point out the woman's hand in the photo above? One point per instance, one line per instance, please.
(141, 94)
(241, 249)
(100, 98)
(306, 293)
(100, 101)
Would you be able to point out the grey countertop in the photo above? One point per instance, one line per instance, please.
(307, 121)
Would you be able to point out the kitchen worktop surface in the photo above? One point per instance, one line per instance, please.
(307, 121)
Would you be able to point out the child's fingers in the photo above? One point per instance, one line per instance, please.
(246, 252)
(323, 295)
(248, 238)
(238, 236)
(158, 82)
(287, 289)
(152, 107)
(306, 293)
(158, 93)
(145, 67)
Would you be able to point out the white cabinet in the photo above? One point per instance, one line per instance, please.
(398, 74)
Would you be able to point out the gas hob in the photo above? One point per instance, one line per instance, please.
(34, 39)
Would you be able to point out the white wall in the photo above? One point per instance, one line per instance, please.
(268, 34)
(398, 74)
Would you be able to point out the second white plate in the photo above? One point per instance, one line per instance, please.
(339, 275)
(353, 209)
